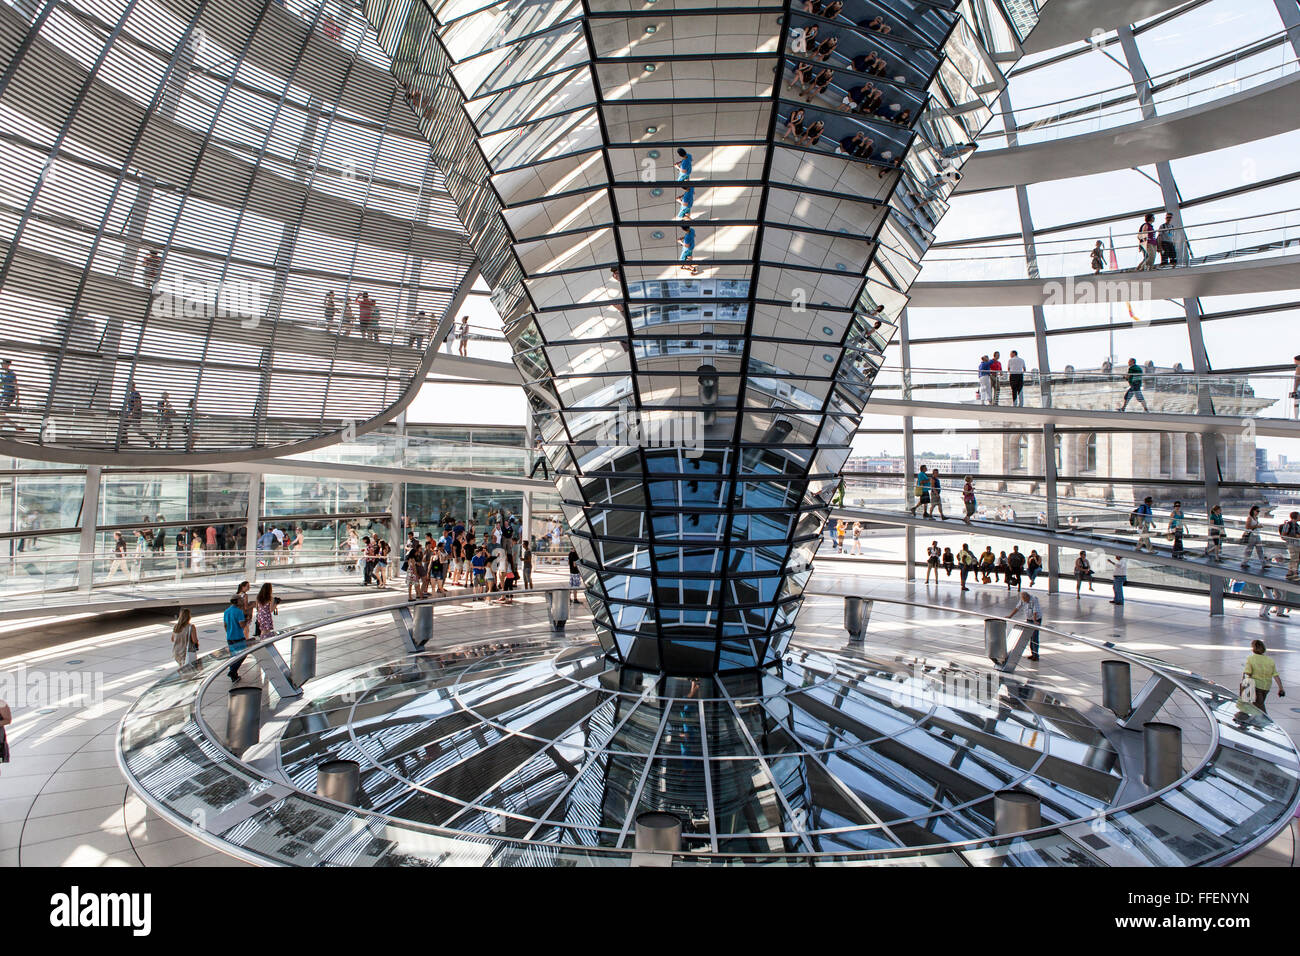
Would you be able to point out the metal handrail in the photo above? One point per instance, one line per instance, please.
(625, 854)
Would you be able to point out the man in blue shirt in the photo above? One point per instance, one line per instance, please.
(986, 380)
(8, 384)
(683, 165)
(687, 242)
(234, 620)
(479, 565)
(685, 201)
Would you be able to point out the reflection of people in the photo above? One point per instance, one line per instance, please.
(1261, 671)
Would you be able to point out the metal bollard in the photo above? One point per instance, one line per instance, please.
(1015, 811)
(422, 624)
(243, 719)
(557, 606)
(339, 780)
(1116, 688)
(658, 832)
(1162, 754)
(857, 612)
(302, 659)
(995, 639)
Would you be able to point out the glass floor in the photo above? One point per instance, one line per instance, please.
(548, 742)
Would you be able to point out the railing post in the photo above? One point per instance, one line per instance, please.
(1015, 811)
(857, 614)
(557, 607)
(339, 780)
(302, 659)
(1116, 688)
(243, 719)
(1162, 754)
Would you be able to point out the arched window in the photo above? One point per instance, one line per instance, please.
(1056, 442)
(1090, 452)
(1193, 455)
(1166, 454)
(1022, 453)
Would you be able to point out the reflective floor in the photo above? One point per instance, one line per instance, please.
(550, 743)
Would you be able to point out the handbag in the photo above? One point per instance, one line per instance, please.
(1246, 692)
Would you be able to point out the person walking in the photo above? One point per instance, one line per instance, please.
(1214, 532)
(840, 528)
(1143, 518)
(6, 718)
(1098, 261)
(526, 565)
(1118, 576)
(857, 537)
(995, 377)
(464, 335)
(1262, 673)
(932, 555)
(966, 563)
(1165, 242)
(185, 641)
(968, 499)
(575, 579)
(1147, 242)
(235, 621)
(1082, 572)
(1289, 531)
(1134, 377)
(267, 606)
(1033, 611)
(1295, 389)
(1250, 538)
(986, 384)
(936, 501)
(1016, 376)
(1177, 528)
(921, 491)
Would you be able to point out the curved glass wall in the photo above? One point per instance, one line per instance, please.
(1211, 356)
(222, 230)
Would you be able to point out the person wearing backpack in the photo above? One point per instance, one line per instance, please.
(1290, 532)
(1134, 378)
(1142, 518)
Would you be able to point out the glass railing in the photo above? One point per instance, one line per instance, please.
(1249, 237)
(1165, 391)
(34, 578)
(1203, 82)
(1003, 513)
(182, 768)
(388, 450)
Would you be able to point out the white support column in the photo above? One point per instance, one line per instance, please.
(89, 528)
(254, 516)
